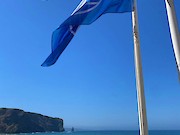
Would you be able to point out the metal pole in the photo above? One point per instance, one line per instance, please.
(175, 36)
(139, 76)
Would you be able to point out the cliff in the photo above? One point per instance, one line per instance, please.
(18, 121)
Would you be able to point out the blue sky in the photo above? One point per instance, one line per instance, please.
(92, 86)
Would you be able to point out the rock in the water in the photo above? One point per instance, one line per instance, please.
(18, 121)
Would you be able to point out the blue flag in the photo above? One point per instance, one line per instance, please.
(86, 13)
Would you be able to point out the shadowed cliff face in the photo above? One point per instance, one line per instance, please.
(18, 121)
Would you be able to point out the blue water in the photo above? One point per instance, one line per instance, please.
(124, 133)
(109, 133)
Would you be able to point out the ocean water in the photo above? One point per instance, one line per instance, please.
(160, 132)
(122, 133)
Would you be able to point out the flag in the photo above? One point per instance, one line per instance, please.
(86, 13)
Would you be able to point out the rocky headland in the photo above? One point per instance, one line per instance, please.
(19, 121)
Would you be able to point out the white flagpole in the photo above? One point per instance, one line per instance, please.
(175, 36)
(139, 76)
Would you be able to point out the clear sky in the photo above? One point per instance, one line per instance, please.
(92, 86)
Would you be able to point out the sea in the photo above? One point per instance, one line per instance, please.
(159, 132)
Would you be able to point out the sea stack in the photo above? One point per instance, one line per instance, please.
(19, 121)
